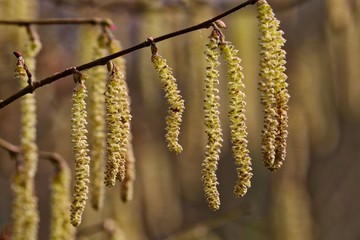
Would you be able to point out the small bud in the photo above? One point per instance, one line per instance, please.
(220, 24)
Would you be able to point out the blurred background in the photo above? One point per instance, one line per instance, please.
(313, 196)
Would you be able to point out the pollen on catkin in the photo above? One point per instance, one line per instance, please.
(175, 101)
(212, 124)
(97, 136)
(117, 124)
(273, 87)
(80, 149)
(237, 118)
(60, 227)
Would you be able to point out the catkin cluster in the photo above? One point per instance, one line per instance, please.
(212, 124)
(273, 88)
(80, 149)
(237, 118)
(175, 101)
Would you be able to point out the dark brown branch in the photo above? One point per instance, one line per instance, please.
(104, 60)
(55, 21)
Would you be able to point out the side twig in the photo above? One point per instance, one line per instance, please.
(56, 159)
(104, 60)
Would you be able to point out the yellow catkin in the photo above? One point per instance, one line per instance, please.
(25, 214)
(273, 87)
(212, 125)
(175, 101)
(237, 118)
(127, 186)
(61, 228)
(80, 149)
(125, 123)
(118, 125)
(96, 111)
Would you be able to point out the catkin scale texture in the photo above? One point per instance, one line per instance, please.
(80, 149)
(97, 135)
(273, 87)
(237, 118)
(175, 101)
(118, 119)
(212, 125)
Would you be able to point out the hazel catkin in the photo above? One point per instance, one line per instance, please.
(117, 124)
(273, 87)
(212, 124)
(237, 118)
(80, 149)
(97, 136)
(175, 101)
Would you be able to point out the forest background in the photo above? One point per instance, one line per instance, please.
(313, 196)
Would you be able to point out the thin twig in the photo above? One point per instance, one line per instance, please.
(104, 60)
(56, 159)
(58, 21)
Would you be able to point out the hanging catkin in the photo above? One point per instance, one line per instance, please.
(118, 125)
(273, 88)
(212, 124)
(127, 185)
(96, 111)
(237, 118)
(61, 228)
(25, 216)
(175, 101)
(80, 149)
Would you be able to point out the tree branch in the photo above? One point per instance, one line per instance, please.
(55, 21)
(104, 60)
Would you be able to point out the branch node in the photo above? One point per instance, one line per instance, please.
(77, 75)
(153, 46)
(217, 32)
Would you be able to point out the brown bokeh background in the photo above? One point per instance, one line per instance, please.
(313, 196)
